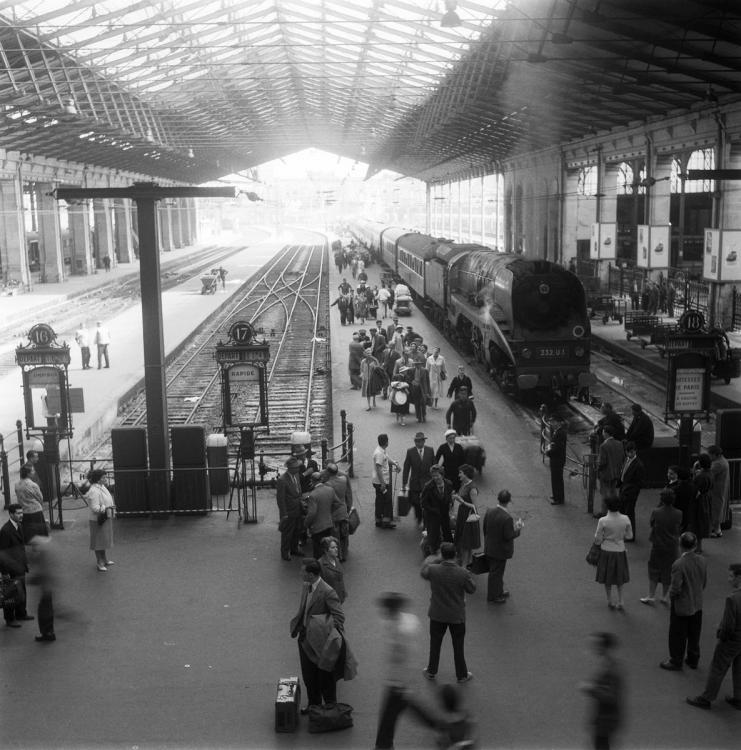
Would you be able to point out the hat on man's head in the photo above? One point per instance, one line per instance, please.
(292, 463)
(420, 436)
(450, 432)
(300, 452)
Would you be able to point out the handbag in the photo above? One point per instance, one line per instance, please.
(330, 718)
(102, 517)
(473, 517)
(443, 375)
(353, 520)
(593, 554)
(403, 504)
(479, 564)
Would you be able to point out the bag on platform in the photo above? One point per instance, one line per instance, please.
(727, 522)
(8, 592)
(353, 520)
(403, 504)
(330, 718)
(593, 554)
(479, 564)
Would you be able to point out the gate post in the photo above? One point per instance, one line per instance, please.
(19, 431)
(350, 450)
(343, 422)
(325, 453)
(5, 474)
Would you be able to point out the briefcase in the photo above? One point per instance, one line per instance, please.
(287, 704)
(479, 564)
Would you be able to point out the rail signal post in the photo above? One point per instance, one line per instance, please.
(146, 195)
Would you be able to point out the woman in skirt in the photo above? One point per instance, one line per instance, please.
(467, 533)
(612, 568)
(100, 502)
(666, 523)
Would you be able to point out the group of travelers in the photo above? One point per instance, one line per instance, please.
(100, 338)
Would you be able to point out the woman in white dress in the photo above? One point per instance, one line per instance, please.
(436, 368)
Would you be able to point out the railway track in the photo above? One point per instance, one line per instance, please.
(287, 304)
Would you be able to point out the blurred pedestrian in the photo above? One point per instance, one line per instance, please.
(355, 357)
(689, 578)
(467, 530)
(331, 567)
(612, 568)
(400, 636)
(500, 532)
(606, 688)
(727, 654)
(28, 494)
(665, 523)
(102, 512)
(455, 726)
(449, 584)
(45, 569)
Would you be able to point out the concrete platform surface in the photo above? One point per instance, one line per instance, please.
(182, 642)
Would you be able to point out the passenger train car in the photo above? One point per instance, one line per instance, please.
(525, 318)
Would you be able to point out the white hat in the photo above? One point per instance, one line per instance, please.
(450, 432)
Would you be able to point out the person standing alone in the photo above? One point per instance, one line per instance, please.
(500, 532)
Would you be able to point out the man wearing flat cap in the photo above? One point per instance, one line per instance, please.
(727, 653)
(451, 456)
(288, 496)
(417, 464)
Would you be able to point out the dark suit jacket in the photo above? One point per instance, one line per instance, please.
(452, 460)
(499, 533)
(557, 450)
(634, 476)
(324, 601)
(418, 468)
(641, 431)
(689, 577)
(449, 584)
(288, 496)
(13, 560)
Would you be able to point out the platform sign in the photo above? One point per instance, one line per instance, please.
(688, 387)
(594, 243)
(654, 244)
(244, 373)
(711, 246)
(730, 255)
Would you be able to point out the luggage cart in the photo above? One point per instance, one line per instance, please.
(210, 283)
(607, 307)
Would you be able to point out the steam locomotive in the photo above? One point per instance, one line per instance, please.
(526, 319)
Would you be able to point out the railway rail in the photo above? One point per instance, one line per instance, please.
(287, 304)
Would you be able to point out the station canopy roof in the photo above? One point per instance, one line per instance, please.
(196, 89)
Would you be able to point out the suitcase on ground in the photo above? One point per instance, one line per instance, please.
(287, 704)
(330, 718)
(473, 451)
(403, 504)
(479, 564)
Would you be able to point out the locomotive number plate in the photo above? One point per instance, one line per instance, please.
(552, 351)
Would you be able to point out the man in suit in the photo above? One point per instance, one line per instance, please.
(341, 507)
(13, 563)
(461, 379)
(449, 584)
(641, 429)
(613, 419)
(689, 578)
(288, 496)
(318, 518)
(727, 652)
(317, 598)
(632, 479)
(416, 473)
(500, 531)
(609, 466)
(557, 458)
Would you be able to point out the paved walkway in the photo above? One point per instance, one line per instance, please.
(182, 642)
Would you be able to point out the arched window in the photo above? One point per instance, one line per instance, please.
(625, 179)
(587, 184)
(703, 158)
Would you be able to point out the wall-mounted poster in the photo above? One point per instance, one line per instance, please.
(710, 254)
(643, 236)
(607, 241)
(594, 243)
(729, 255)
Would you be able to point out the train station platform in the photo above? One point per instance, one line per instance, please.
(611, 338)
(182, 642)
(184, 308)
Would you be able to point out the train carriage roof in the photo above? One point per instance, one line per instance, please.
(449, 252)
(394, 234)
(421, 245)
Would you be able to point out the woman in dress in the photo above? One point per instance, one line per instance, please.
(399, 395)
(666, 521)
(28, 494)
(101, 506)
(436, 368)
(361, 306)
(368, 384)
(331, 566)
(612, 569)
(467, 533)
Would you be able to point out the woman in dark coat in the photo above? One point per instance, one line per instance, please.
(698, 518)
(332, 572)
(436, 500)
(665, 522)
(681, 485)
